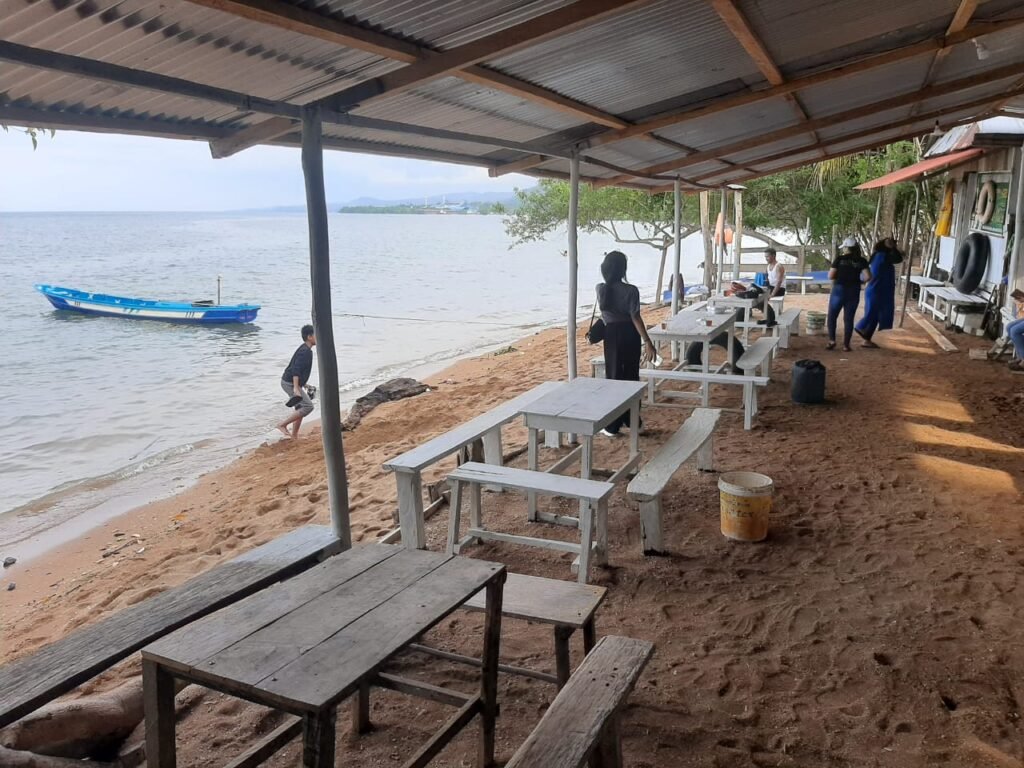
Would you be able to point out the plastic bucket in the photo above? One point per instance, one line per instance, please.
(815, 322)
(746, 500)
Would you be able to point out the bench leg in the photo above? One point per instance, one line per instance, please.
(318, 740)
(476, 507)
(552, 439)
(158, 701)
(650, 390)
(586, 463)
(493, 453)
(361, 710)
(589, 636)
(410, 509)
(705, 456)
(609, 751)
(489, 671)
(586, 541)
(455, 516)
(748, 406)
(532, 462)
(650, 526)
(563, 666)
(602, 533)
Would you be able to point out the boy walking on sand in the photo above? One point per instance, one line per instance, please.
(294, 380)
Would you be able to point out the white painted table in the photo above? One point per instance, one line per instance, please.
(802, 279)
(583, 407)
(736, 302)
(702, 327)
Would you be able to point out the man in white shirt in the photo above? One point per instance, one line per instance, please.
(776, 284)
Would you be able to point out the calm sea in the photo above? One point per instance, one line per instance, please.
(98, 415)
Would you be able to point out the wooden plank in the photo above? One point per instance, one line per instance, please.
(190, 646)
(425, 754)
(471, 661)
(679, 448)
(526, 541)
(529, 480)
(756, 353)
(423, 690)
(545, 26)
(448, 443)
(699, 377)
(961, 18)
(33, 680)
(548, 601)
(943, 343)
(739, 26)
(571, 728)
(328, 672)
(271, 745)
(584, 401)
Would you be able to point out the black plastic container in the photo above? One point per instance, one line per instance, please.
(808, 382)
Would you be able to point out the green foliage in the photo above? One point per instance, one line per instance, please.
(545, 208)
(33, 134)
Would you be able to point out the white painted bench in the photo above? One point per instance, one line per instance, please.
(593, 495)
(409, 466)
(951, 299)
(749, 384)
(694, 438)
(564, 605)
(582, 723)
(759, 353)
(787, 324)
(1003, 343)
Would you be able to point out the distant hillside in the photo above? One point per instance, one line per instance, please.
(506, 199)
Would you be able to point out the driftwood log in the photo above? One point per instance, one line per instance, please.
(396, 389)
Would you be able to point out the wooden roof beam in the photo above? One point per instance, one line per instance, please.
(961, 19)
(534, 31)
(924, 94)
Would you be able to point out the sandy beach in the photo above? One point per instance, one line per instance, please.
(879, 624)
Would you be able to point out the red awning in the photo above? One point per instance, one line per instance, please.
(921, 168)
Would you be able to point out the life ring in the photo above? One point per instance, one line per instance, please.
(986, 203)
(971, 263)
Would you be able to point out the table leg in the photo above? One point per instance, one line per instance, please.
(705, 388)
(746, 324)
(731, 330)
(586, 464)
(589, 636)
(158, 702)
(361, 710)
(410, 509)
(634, 428)
(563, 666)
(532, 462)
(318, 731)
(489, 671)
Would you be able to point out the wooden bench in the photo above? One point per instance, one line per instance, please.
(409, 466)
(749, 384)
(583, 720)
(694, 438)
(759, 353)
(787, 324)
(592, 494)
(31, 681)
(565, 605)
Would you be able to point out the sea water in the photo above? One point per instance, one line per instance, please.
(98, 415)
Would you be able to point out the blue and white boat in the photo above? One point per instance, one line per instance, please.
(147, 309)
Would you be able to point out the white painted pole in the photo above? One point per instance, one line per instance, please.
(721, 246)
(677, 246)
(574, 205)
(327, 362)
(737, 240)
(1018, 234)
(705, 234)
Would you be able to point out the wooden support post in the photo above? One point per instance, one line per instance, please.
(737, 240)
(677, 249)
(705, 233)
(721, 245)
(318, 736)
(327, 362)
(489, 670)
(910, 250)
(573, 252)
(874, 229)
(158, 702)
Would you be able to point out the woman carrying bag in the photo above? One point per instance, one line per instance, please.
(624, 331)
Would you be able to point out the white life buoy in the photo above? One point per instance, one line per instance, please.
(986, 203)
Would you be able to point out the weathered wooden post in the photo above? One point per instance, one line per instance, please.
(705, 233)
(912, 236)
(721, 245)
(737, 238)
(574, 207)
(323, 325)
(677, 251)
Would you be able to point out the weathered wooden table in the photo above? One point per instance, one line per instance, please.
(306, 644)
(689, 327)
(583, 407)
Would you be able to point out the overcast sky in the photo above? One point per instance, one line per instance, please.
(98, 172)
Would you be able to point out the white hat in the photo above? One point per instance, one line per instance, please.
(850, 242)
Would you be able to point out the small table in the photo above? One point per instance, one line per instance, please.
(689, 327)
(304, 645)
(736, 302)
(802, 279)
(584, 407)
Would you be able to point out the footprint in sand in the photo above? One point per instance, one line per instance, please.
(268, 506)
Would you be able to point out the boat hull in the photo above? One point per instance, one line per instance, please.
(142, 309)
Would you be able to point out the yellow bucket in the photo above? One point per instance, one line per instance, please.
(746, 500)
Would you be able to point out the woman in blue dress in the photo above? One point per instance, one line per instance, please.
(880, 294)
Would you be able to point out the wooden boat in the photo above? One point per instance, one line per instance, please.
(147, 309)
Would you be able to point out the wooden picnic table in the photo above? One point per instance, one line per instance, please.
(690, 327)
(306, 644)
(583, 407)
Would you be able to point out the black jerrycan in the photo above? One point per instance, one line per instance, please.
(808, 382)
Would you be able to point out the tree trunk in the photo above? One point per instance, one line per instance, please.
(661, 275)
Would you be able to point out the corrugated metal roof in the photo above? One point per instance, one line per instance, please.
(651, 58)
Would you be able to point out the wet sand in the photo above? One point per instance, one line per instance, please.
(879, 624)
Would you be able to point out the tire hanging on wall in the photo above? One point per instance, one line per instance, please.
(971, 263)
(986, 203)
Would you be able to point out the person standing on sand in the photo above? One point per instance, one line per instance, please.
(776, 284)
(848, 271)
(880, 294)
(624, 329)
(294, 380)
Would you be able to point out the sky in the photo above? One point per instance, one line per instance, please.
(74, 171)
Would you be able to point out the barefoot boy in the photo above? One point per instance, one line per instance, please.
(294, 379)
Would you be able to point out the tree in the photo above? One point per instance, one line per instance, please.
(629, 216)
(33, 133)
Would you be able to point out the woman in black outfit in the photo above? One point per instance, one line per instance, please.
(624, 329)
